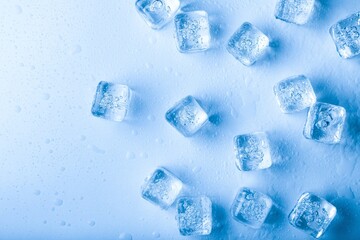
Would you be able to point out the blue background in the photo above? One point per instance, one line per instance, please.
(68, 175)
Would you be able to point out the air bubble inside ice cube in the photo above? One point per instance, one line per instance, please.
(187, 116)
(294, 11)
(248, 44)
(157, 13)
(192, 31)
(325, 123)
(194, 215)
(346, 36)
(111, 101)
(294, 94)
(312, 214)
(251, 207)
(252, 151)
(162, 188)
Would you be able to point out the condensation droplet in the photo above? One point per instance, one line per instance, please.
(59, 202)
(91, 223)
(37, 192)
(156, 235)
(17, 109)
(125, 236)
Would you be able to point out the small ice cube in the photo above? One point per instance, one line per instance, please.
(294, 11)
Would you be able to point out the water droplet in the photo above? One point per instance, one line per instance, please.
(76, 50)
(82, 138)
(46, 96)
(125, 236)
(130, 155)
(59, 202)
(62, 223)
(37, 192)
(44, 222)
(92, 223)
(47, 141)
(97, 150)
(17, 109)
(18, 9)
(156, 235)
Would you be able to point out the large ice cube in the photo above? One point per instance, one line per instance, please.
(294, 11)
(162, 188)
(187, 116)
(252, 151)
(111, 101)
(346, 35)
(157, 13)
(325, 123)
(192, 31)
(251, 207)
(312, 214)
(194, 215)
(248, 44)
(294, 94)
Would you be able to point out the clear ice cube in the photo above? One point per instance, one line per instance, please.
(325, 123)
(187, 116)
(251, 207)
(248, 44)
(252, 151)
(312, 214)
(294, 11)
(192, 31)
(294, 94)
(346, 36)
(157, 13)
(162, 188)
(194, 215)
(111, 101)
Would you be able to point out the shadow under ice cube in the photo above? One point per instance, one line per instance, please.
(251, 207)
(346, 36)
(194, 215)
(252, 151)
(325, 123)
(294, 94)
(162, 188)
(294, 11)
(312, 214)
(187, 116)
(157, 13)
(192, 31)
(248, 44)
(111, 101)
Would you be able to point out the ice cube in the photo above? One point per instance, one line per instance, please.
(251, 207)
(162, 188)
(187, 116)
(111, 101)
(312, 214)
(157, 13)
(192, 31)
(325, 123)
(346, 35)
(294, 11)
(194, 215)
(294, 94)
(252, 151)
(248, 44)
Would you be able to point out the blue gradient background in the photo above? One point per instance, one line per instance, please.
(68, 175)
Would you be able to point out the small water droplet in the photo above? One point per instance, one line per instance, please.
(17, 109)
(156, 235)
(76, 50)
(46, 96)
(130, 155)
(37, 192)
(82, 138)
(91, 223)
(59, 202)
(47, 141)
(125, 236)
(62, 223)
(18, 9)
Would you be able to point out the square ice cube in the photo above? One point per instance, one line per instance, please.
(346, 35)
(294, 11)
(248, 44)
(187, 116)
(251, 207)
(162, 188)
(294, 94)
(111, 101)
(312, 214)
(194, 215)
(157, 13)
(325, 123)
(192, 31)
(252, 151)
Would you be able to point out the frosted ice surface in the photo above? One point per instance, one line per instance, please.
(162, 188)
(294, 94)
(192, 31)
(294, 11)
(157, 13)
(248, 44)
(251, 207)
(187, 116)
(194, 215)
(111, 101)
(252, 151)
(346, 36)
(325, 123)
(312, 214)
